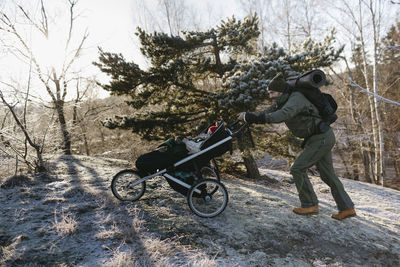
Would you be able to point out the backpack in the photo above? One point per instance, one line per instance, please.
(325, 103)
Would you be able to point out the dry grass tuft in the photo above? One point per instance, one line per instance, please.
(9, 253)
(66, 225)
(113, 233)
(137, 221)
(121, 259)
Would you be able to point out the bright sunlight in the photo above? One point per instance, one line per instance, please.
(49, 52)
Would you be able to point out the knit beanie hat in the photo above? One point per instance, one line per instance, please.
(277, 84)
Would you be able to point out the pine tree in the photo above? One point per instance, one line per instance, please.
(177, 93)
(174, 94)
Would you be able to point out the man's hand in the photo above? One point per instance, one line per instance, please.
(251, 117)
(242, 116)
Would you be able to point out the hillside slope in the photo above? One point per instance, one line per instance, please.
(71, 218)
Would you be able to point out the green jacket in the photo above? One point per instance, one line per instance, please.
(296, 111)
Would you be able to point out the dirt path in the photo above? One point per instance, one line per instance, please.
(73, 219)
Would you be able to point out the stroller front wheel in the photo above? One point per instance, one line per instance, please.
(122, 188)
(208, 198)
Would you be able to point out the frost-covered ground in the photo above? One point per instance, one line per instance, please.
(72, 219)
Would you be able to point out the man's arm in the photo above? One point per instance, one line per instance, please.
(271, 108)
(292, 107)
(257, 117)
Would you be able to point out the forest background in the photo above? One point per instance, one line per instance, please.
(53, 101)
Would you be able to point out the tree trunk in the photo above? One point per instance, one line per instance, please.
(354, 166)
(370, 98)
(248, 159)
(396, 166)
(344, 159)
(367, 164)
(380, 173)
(376, 22)
(251, 165)
(86, 144)
(64, 130)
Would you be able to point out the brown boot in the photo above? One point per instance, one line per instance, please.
(344, 214)
(306, 211)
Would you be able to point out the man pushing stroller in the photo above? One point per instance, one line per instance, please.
(303, 119)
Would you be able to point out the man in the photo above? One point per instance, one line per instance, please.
(302, 118)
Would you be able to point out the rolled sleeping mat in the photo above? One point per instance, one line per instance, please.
(314, 78)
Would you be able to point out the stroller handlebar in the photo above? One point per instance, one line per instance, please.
(232, 127)
(240, 130)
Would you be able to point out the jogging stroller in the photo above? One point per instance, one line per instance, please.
(196, 176)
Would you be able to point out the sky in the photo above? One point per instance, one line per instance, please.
(110, 25)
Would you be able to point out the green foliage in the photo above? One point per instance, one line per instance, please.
(245, 86)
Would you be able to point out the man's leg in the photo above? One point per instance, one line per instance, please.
(315, 149)
(311, 154)
(325, 168)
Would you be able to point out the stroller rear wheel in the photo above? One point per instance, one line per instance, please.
(211, 200)
(121, 186)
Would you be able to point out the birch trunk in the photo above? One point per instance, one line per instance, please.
(370, 98)
(380, 169)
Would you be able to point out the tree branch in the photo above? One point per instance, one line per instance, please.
(395, 48)
(76, 55)
(40, 164)
(11, 29)
(44, 27)
(18, 122)
(378, 97)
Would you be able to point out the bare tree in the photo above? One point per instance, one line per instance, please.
(170, 16)
(366, 19)
(174, 12)
(39, 164)
(263, 9)
(54, 80)
(286, 22)
(356, 136)
(375, 10)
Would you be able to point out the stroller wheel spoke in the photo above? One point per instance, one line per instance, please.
(122, 186)
(211, 201)
(208, 172)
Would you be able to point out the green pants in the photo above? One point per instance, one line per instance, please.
(317, 151)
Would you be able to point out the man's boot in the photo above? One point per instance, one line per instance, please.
(344, 214)
(306, 211)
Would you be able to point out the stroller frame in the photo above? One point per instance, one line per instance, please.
(202, 192)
